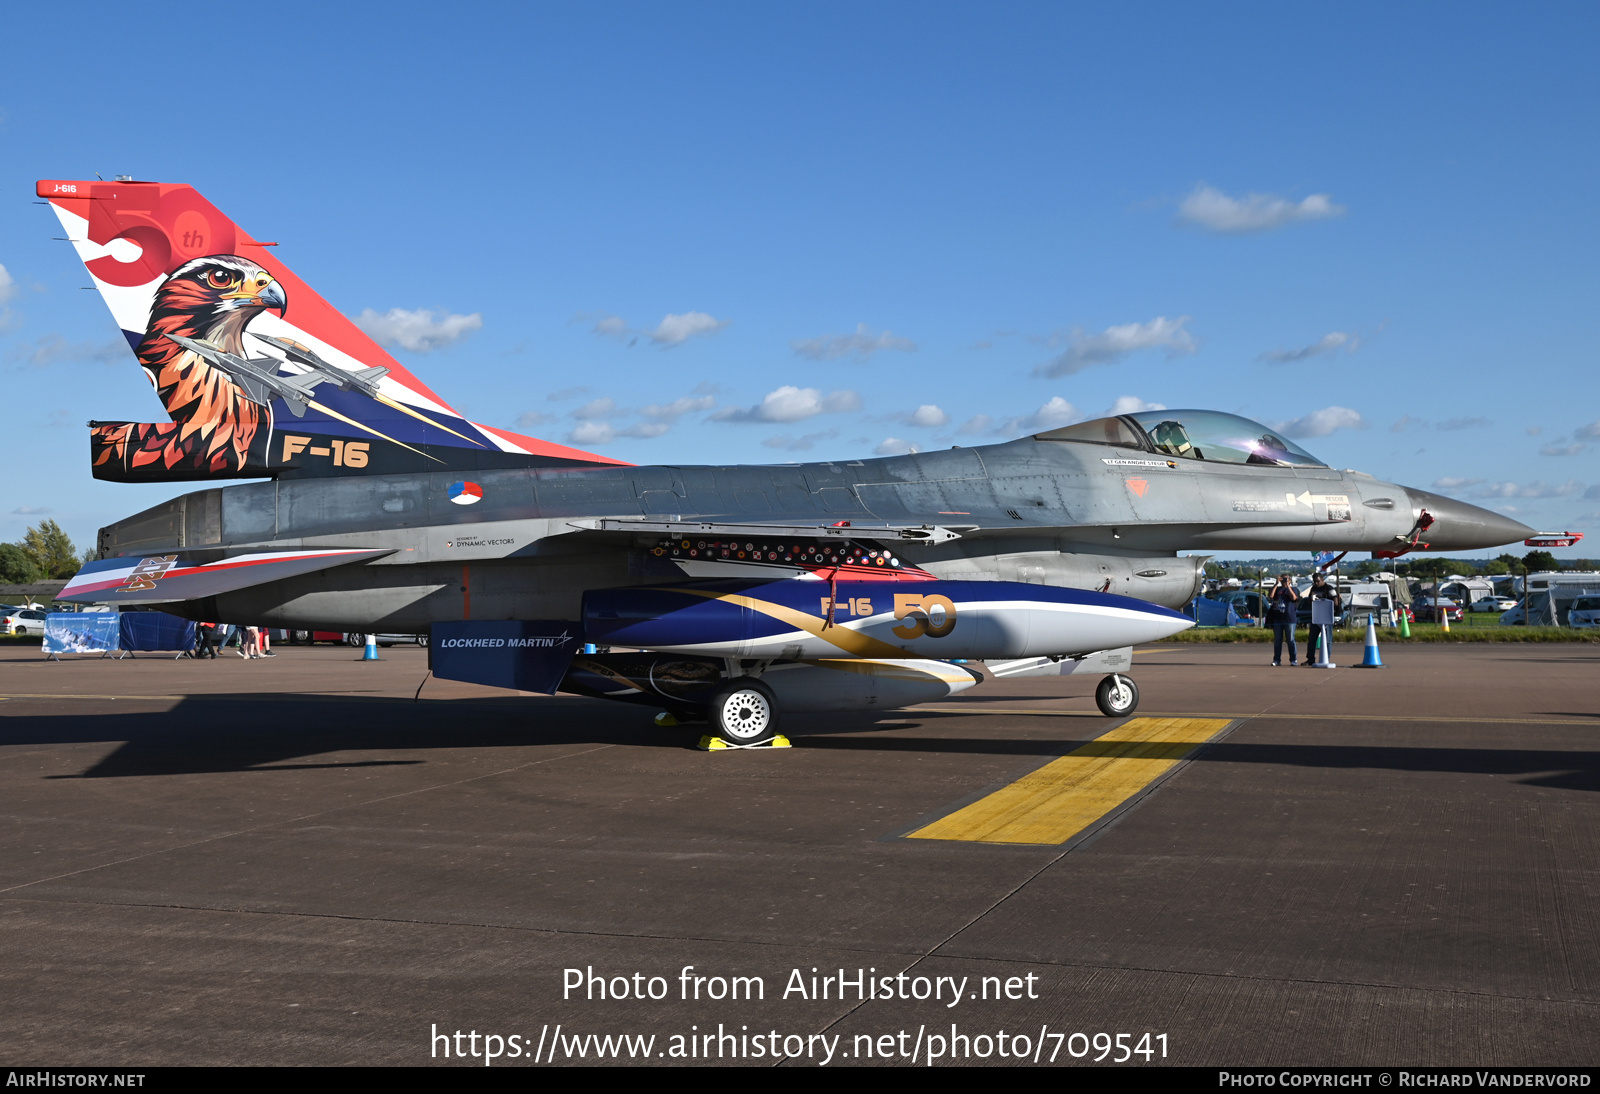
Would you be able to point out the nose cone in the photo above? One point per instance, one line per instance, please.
(1458, 526)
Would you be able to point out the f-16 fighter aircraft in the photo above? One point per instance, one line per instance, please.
(745, 590)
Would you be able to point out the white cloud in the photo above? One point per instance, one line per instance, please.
(1052, 415)
(1211, 209)
(1535, 489)
(977, 424)
(1114, 343)
(1559, 449)
(671, 412)
(928, 416)
(567, 393)
(863, 343)
(1454, 483)
(1465, 423)
(894, 446)
(603, 407)
(8, 285)
(1328, 343)
(420, 331)
(1320, 423)
(675, 330)
(1132, 404)
(593, 432)
(54, 349)
(32, 510)
(529, 419)
(791, 404)
(1590, 432)
(612, 326)
(1406, 422)
(789, 443)
(1535, 430)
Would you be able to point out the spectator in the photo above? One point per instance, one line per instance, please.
(1281, 617)
(1321, 590)
(208, 646)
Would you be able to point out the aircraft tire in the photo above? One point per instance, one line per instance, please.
(744, 712)
(1117, 696)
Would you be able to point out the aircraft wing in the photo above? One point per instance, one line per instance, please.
(163, 579)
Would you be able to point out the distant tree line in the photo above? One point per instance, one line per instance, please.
(46, 552)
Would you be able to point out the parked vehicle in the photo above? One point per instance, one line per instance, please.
(24, 621)
(1248, 606)
(1427, 609)
(1494, 604)
(1585, 612)
(311, 638)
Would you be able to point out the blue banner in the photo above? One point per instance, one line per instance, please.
(156, 631)
(81, 632)
(527, 655)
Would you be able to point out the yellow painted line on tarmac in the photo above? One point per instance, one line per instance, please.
(1393, 718)
(1067, 795)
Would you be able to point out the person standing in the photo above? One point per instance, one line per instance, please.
(1280, 617)
(208, 647)
(1321, 590)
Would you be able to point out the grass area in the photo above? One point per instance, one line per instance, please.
(1420, 632)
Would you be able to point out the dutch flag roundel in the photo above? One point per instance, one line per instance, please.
(466, 493)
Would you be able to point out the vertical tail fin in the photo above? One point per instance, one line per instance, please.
(260, 375)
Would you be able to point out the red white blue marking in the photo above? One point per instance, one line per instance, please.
(466, 493)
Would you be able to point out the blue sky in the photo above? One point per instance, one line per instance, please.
(719, 233)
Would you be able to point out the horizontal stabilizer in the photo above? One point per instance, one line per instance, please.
(163, 579)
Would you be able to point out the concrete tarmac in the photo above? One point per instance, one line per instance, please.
(293, 861)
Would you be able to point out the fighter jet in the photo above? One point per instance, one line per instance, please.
(258, 376)
(722, 592)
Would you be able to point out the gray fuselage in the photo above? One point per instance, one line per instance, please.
(1045, 511)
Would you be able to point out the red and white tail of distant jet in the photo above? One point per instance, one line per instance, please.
(259, 374)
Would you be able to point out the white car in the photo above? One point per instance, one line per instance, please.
(23, 621)
(1585, 612)
(1494, 604)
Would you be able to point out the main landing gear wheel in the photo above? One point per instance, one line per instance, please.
(744, 712)
(1116, 696)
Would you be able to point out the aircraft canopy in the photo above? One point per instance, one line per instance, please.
(1191, 435)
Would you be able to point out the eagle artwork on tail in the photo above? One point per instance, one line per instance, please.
(214, 423)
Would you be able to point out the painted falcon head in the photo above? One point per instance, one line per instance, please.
(219, 295)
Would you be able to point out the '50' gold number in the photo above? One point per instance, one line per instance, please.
(934, 616)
